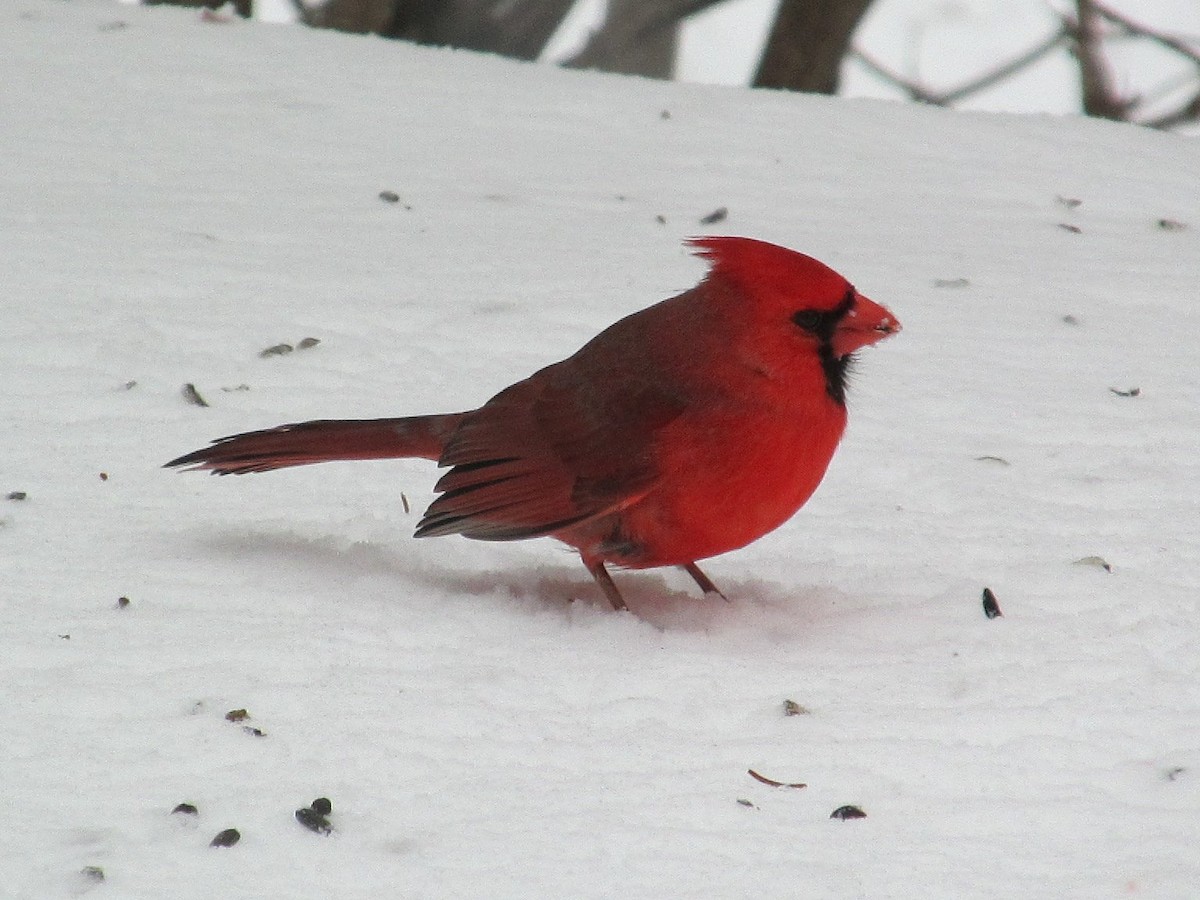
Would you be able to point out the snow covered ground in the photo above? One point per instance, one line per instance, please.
(179, 195)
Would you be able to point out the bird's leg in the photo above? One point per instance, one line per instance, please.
(703, 580)
(606, 584)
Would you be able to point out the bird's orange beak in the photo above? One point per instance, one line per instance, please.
(865, 324)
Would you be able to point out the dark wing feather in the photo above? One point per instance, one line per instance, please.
(565, 445)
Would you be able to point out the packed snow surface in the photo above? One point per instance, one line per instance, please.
(180, 194)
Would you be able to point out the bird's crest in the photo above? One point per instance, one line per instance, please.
(772, 274)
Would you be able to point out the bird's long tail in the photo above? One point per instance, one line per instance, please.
(323, 440)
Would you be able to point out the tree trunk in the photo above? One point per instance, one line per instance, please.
(516, 28)
(241, 7)
(638, 37)
(807, 43)
(1096, 84)
(355, 16)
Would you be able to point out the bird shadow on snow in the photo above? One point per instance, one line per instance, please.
(669, 602)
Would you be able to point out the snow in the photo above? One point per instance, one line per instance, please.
(180, 194)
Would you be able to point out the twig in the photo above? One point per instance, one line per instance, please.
(772, 782)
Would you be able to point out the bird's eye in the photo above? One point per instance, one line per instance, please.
(821, 323)
(811, 320)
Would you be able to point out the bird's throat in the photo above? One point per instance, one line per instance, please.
(836, 369)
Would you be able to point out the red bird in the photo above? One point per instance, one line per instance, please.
(683, 431)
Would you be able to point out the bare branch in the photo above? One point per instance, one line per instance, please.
(914, 90)
(979, 83)
(1174, 43)
(1189, 112)
(1005, 70)
(1086, 36)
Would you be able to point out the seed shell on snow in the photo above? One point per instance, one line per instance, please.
(313, 816)
(991, 606)
(191, 395)
(995, 459)
(848, 811)
(226, 838)
(313, 821)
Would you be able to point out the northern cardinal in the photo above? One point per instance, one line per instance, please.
(683, 431)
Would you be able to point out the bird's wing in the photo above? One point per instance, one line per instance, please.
(563, 446)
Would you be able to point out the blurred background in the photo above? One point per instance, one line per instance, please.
(1126, 60)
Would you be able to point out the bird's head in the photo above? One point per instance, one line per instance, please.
(783, 285)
